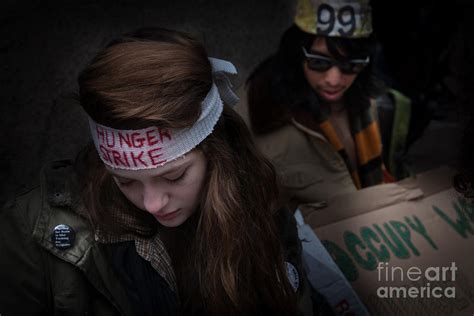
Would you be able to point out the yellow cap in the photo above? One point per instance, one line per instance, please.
(338, 18)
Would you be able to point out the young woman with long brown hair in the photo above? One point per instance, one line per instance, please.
(171, 211)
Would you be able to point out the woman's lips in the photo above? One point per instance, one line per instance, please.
(167, 216)
(331, 95)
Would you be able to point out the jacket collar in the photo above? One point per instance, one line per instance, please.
(61, 205)
(305, 122)
(305, 129)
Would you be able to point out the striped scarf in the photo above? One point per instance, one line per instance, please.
(368, 145)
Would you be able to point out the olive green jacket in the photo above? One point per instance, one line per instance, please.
(37, 278)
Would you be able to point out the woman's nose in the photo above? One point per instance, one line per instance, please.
(333, 76)
(154, 200)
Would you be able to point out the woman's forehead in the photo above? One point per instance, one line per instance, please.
(320, 45)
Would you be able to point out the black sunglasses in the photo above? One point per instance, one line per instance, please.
(322, 63)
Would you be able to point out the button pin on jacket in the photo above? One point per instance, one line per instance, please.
(63, 237)
(293, 275)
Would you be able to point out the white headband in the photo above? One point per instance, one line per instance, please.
(154, 146)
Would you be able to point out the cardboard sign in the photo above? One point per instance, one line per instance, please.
(406, 248)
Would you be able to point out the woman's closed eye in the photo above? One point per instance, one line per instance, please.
(176, 178)
(124, 182)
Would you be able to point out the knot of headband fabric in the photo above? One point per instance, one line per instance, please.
(153, 146)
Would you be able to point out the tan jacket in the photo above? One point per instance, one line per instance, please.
(310, 170)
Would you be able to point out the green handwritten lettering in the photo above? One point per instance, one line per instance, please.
(396, 245)
(352, 242)
(404, 232)
(418, 226)
(369, 237)
(467, 207)
(461, 225)
(342, 259)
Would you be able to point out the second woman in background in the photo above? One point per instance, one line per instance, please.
(311, 105)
